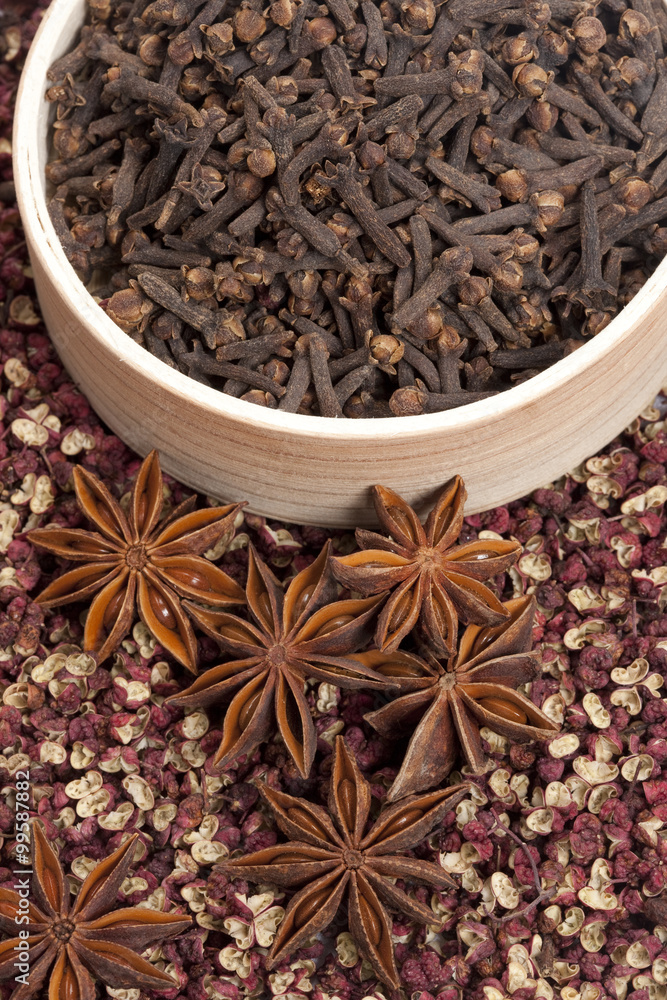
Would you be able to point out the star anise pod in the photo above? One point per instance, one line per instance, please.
(332, 855)
(134, 560)
(90, 939)
(296, 634)
(452, 704)
(433, 580)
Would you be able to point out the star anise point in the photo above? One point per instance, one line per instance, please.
(87, 939)
(454, 700)
(331, 854)
(432, 581)
(296, 633)
(134, 560)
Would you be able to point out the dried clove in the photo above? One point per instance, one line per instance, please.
(362, 208)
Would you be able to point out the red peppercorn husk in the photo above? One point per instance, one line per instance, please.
(558, 854)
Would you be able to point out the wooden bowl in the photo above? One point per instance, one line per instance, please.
(316, 470)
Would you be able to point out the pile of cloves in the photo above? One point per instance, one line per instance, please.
(362, 208)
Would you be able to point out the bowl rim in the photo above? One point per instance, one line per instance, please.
(31, 197)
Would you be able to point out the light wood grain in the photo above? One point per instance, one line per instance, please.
(314, 470)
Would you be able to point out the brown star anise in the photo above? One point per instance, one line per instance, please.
(433, 580)
(452, 704)
(134, 560)
(86, 940)
(331, 855)
(297, 635)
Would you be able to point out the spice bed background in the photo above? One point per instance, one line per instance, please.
(559, 850)
(362, 209)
